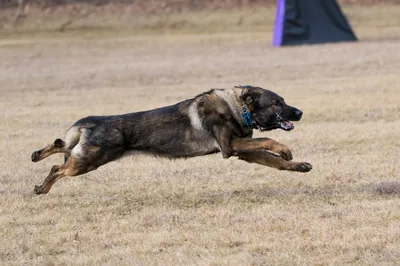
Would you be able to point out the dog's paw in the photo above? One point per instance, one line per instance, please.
(35, 157)
(38, 190)
(303, 167)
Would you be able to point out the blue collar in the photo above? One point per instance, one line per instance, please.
(246, 115)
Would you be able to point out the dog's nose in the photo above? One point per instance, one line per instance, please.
(298, 113)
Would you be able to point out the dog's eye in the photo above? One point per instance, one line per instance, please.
(277, 103)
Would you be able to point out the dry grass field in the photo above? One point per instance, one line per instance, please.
(142, 210)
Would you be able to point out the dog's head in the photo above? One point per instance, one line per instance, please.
(269, 110)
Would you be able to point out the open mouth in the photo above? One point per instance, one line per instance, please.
(286, 125)
(283, 124)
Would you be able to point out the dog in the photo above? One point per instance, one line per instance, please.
(219, 120)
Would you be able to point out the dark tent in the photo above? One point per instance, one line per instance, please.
(310, 21)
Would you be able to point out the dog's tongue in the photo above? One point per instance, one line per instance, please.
(286, 125)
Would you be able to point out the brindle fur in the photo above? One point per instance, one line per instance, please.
(209, 123)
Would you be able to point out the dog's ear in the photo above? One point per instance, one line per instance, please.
(250, 97)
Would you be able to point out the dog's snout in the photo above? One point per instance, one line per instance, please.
(298, 113)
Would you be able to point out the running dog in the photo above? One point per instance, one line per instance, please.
(219, 120)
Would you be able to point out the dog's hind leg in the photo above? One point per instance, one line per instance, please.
(71, 168)
(56, 172)
(81, 160)
(275, 161)
(58, 146)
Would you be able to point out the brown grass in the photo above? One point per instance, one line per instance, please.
(208, 211)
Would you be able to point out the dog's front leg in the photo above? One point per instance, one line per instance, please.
(223, 137)
(240, 145)
(271, 160)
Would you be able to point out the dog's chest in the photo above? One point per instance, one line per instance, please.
(203, 141)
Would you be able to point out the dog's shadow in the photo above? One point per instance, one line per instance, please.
(267, 194)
